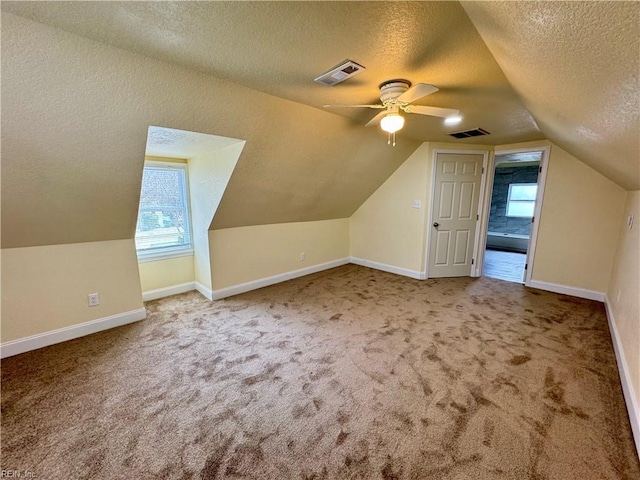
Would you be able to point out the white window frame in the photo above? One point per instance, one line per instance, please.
(532, 202)
(173, 251)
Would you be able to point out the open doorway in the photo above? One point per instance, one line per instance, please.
(512, 211)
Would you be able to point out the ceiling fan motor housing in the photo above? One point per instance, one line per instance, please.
(392, 89)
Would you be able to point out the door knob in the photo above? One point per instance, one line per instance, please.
(436, 224)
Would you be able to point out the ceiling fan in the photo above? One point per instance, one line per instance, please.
(397, 95)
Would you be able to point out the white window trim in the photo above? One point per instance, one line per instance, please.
(506, 212)
(174, 252)
(180, 250)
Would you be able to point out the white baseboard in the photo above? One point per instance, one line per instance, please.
(625, 378)
(282, 277)
(566, 290)
(167, 291)
(14, 347)
(389, 268)
(204, 290)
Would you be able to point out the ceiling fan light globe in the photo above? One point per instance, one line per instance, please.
(392, 123)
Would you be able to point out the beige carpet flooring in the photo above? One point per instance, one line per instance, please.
(350, 374)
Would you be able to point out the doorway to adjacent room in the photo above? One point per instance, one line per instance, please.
(512, 213)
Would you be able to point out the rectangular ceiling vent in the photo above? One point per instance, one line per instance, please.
(476, 132)
(340, 73)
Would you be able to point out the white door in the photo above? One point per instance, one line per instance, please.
(454, 214)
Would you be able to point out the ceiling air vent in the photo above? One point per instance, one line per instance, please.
(340, 73)
(476, 132)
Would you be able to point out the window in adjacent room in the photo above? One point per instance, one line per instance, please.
(164, 224)
(521, 200)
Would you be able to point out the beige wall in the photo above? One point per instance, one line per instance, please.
(166, 273)
(209, 175)
(386, 228)
(46, 288)
(623, 297)
(244, 254)
(579, 225)
(579, 221)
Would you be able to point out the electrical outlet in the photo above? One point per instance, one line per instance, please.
(618, 296)
(93, 299)
(417, 204)
(303, 256)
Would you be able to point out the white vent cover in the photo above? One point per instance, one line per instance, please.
(338, 74)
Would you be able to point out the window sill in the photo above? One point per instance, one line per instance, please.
(166, 255)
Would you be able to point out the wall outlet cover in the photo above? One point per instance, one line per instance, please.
(93, 299)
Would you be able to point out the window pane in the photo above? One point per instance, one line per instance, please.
(522, 192)
(163, 217)
(162, 186)
(520, 209)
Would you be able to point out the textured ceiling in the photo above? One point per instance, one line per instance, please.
(172, 143)
(571, 67)
(576, 67)
(75, 120)
(280, 47)
(75, 113)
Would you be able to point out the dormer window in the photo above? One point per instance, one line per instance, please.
(164, 220)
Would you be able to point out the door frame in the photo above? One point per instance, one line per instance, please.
(481, 201)
(484, 217)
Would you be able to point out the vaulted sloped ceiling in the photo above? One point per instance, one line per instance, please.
(75, 112)
(280, 47)
(75, 115)
(576, 66)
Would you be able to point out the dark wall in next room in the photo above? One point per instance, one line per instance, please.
(504, 176)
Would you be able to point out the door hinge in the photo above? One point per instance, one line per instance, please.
(539, 169)
(533, 219)
(477, 217)
(526, 265)
(482, 169)
(473, 260)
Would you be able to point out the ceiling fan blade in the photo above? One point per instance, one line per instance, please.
(376, 120)
(433, 111)
(416, 92)
(353, 106)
